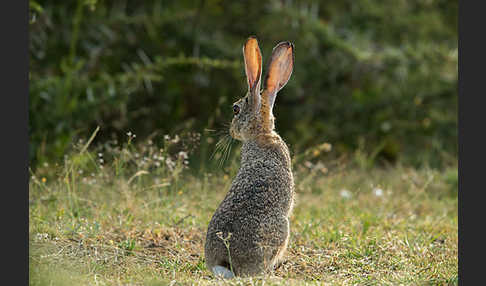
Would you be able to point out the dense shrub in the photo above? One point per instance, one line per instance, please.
(379, 77)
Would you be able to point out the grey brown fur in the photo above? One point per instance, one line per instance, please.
(257, 207)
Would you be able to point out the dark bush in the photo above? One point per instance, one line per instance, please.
(379, 76)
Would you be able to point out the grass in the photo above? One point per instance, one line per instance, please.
(105, 218)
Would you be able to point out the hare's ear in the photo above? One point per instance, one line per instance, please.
(253, 68)
(279, 71)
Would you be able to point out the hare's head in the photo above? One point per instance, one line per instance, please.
(253, 113)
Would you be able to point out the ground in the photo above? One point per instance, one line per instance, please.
(350, 226)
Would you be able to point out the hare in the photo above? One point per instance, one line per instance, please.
(249, 232)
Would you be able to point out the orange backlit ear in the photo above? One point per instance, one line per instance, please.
(279, 70)
(253, 64)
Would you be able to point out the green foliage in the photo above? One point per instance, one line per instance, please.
(368, 74)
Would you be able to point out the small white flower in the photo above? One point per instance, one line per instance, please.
(170, 164)
(378, 192)
(183, 155)
(326, 147)
(42, 236)
(129, 133)
(345, 194)
(100, 155)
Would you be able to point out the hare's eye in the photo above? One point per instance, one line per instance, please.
(236, 109)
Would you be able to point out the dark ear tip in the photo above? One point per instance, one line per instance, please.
(287, 44)
(252, 37)
(292, 47)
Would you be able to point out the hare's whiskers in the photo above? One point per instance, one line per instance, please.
(227, 150)
(222, 159)
(230, 146)
(217, 148)
(221, 148)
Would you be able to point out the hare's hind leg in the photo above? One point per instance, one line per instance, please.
(279, 259)
(216, 259)
(284, 234)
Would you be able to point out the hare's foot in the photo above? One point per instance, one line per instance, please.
(221, 271)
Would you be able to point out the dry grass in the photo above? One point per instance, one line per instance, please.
(350, 226)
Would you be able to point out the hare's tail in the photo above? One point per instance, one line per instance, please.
(223, 272)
